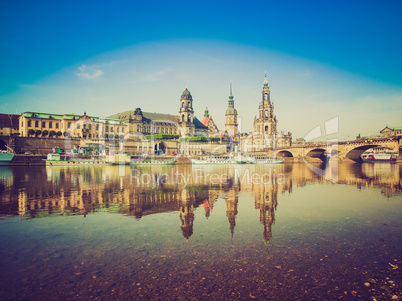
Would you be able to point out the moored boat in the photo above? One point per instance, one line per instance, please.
(264, 159)
(150, 160)
(118, 159)
(379, 157)
(269, 161)
(214, 160)
(241, 159)
(58, 160)
(6, 156)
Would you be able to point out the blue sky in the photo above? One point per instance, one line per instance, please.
(323, 58)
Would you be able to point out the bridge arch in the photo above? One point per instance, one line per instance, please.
(3, 145)
(284, 154)
(317, 153)
(355, 153)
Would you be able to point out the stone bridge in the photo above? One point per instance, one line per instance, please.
(6, 141)
(344, 150)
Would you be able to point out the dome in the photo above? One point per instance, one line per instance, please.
(231, 111)
(186, 94)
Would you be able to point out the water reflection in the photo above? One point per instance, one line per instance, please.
(198, 232)
(38, 192)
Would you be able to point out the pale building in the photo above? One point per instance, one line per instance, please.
(391, 131)
(146, 123)
(48, 125)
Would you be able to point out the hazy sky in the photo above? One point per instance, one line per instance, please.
(323, 59)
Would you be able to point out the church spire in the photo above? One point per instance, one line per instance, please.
(266, 80)
(231, 101)
(206, 112)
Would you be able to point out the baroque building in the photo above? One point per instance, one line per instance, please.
(208, 122)
(146, 123)
(48, 125)
(265, 135)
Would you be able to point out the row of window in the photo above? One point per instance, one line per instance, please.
(155, 130)
(43, 124)
(90, 136)
(84, 126)
(36, 122)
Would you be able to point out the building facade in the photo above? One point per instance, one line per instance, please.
(145, 123)
(213, 130)
(51, 125)
(9, 125)
(391, 131)
(265, 135)
(231, 124)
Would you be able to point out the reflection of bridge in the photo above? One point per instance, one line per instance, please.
(349, 150)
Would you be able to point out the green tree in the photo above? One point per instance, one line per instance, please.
(66, 134)
(59, 134)
(45, 133)
(105, 136)
(31, 132)
(116, 136)
(52, 133)
(38, 132)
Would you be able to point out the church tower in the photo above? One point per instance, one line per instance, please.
(186, 115)
(231, 118)
(265, 124)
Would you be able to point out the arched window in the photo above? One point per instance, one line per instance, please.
(189, 104)
(189, 118)
(182, 104)
(266, 96)
(266, 128)
(266, 113)
(182, 118)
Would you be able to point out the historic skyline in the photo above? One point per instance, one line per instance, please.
(327, 61)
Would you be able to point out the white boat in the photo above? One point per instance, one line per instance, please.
(269, 161)
(118, 159)
(152, 160)
(214, 160)
(241, 159)
(379, 157)
(6, 156)
(57, 160)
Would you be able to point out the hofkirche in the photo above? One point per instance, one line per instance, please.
(138, 125)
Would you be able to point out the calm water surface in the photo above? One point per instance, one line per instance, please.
(201, 232)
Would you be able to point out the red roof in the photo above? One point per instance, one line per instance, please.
(205, 121)
(9, 120)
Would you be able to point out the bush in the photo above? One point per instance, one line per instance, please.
(59, 133)
(116, 136)
(66, 134)
(201, 139)
(45, 133)
(38, 132)
(52, 133)
(31, 132)
(162, 136)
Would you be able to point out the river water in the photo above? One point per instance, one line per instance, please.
(239, 232)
